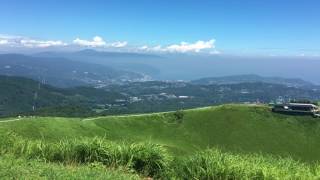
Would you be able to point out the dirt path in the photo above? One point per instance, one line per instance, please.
(121, 116)
(10, 120)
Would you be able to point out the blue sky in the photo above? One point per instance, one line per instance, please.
(274, 27)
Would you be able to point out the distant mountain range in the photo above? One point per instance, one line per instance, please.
(62, 72)
(100, 69)
(194, 66)
(94, 53)
(251, 78)
(133, 62)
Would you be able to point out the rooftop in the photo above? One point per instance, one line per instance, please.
(302, 104)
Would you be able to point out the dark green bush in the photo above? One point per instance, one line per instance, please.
(178, 115)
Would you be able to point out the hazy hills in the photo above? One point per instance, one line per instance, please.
(247, 78)
(62, 72)
(193, 66)
(99, 68)
(134, 62)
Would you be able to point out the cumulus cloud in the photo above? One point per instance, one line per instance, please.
(7, 40)
(143, 48)
(119, 44)
(154, 48)
(214, 52)
(97, 41)
(41, 44)
(191, 47)
(185, 47)
(4, 36)
(18, 41)
(3, 41)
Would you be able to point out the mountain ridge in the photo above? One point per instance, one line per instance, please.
(235, 79)
(62, 72)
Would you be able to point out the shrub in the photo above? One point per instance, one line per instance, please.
(178, 115)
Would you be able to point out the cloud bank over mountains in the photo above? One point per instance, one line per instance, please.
(20, 41)
(184, 47)
(98, 42)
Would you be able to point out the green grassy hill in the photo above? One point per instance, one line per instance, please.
(232, 128)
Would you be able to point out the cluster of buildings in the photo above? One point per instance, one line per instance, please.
(297, 108)
(147, 97)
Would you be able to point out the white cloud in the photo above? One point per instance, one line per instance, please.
(119, 44)
(4, 36)
(214, 52)
(97, 41)
(18, 41)
(185, 47)
(157, 48)
(193, 47)
(7, 40)
(40, 44)
(4, 41)
(143, 48)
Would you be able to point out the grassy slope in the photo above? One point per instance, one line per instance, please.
(230, 127)
(13, 168)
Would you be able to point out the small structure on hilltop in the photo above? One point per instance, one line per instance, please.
(297, 108)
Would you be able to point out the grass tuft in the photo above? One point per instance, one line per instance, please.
(145, 158)
(214, 164)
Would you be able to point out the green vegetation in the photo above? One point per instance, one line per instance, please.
(21, 96)
(236, 128)
(213, 164)
(223, 142)
(101, 159)
(146, 158)
(21, 168)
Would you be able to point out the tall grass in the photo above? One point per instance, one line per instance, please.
(214, 164)
(153, 160)
(20, 168)
(145, 158)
